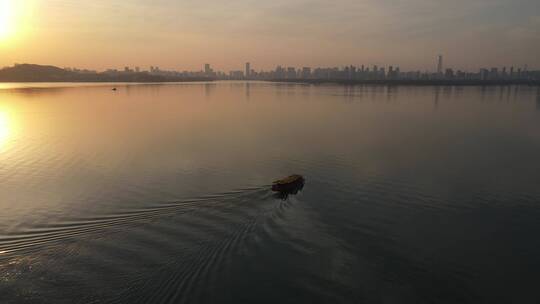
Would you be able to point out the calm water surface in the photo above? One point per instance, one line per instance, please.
(160, 194)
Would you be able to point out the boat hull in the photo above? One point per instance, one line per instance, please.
(292, 185)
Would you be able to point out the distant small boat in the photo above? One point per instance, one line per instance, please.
(114, 89)
(290, 184)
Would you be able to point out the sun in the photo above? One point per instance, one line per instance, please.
(16, 19)
(6, 19)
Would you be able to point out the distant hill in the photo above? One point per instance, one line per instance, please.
(34, 72)
(48, 73)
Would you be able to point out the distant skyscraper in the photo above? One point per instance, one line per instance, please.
(291, 73)
(440, 65)
(494, 73)
(248, 70)
(280, 72)
(306, 72)
(207, 69)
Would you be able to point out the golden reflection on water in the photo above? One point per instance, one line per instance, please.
(5, 129)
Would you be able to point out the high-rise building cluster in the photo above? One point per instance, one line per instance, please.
(374, 72)
(350, 72)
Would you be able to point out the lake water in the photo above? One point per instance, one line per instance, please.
(161, 194)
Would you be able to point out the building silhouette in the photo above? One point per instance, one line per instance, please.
(440, 65)
(352, 73)
(248, 70)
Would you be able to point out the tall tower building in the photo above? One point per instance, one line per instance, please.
(440, 65)
(248, 70)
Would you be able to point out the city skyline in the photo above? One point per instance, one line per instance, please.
(434, 67)
(364, 71)
(209, 69)
(350, 73)
(358, 72)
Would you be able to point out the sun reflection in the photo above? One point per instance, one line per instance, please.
(5, 129)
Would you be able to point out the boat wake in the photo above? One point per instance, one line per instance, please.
(40, 237)
(170, 252)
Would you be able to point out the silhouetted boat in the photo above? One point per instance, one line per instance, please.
(114, 89)
(291, 184)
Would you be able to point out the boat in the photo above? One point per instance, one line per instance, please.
(114, 89)
(291, 184)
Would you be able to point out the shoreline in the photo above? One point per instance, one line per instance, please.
(108, 81)
(400, 82)
(387, 82)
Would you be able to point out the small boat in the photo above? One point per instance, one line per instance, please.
(114, 89)
(290, 184)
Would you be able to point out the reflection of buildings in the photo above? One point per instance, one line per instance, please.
(350, 92)
(483, 93)
(208, 88)
(248, 90)
(437, 96)
(391, 91)
(447, 92)
(538, 99)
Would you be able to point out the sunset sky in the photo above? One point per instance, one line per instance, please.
(185, 34)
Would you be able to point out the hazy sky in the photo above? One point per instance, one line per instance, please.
(185, 34)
